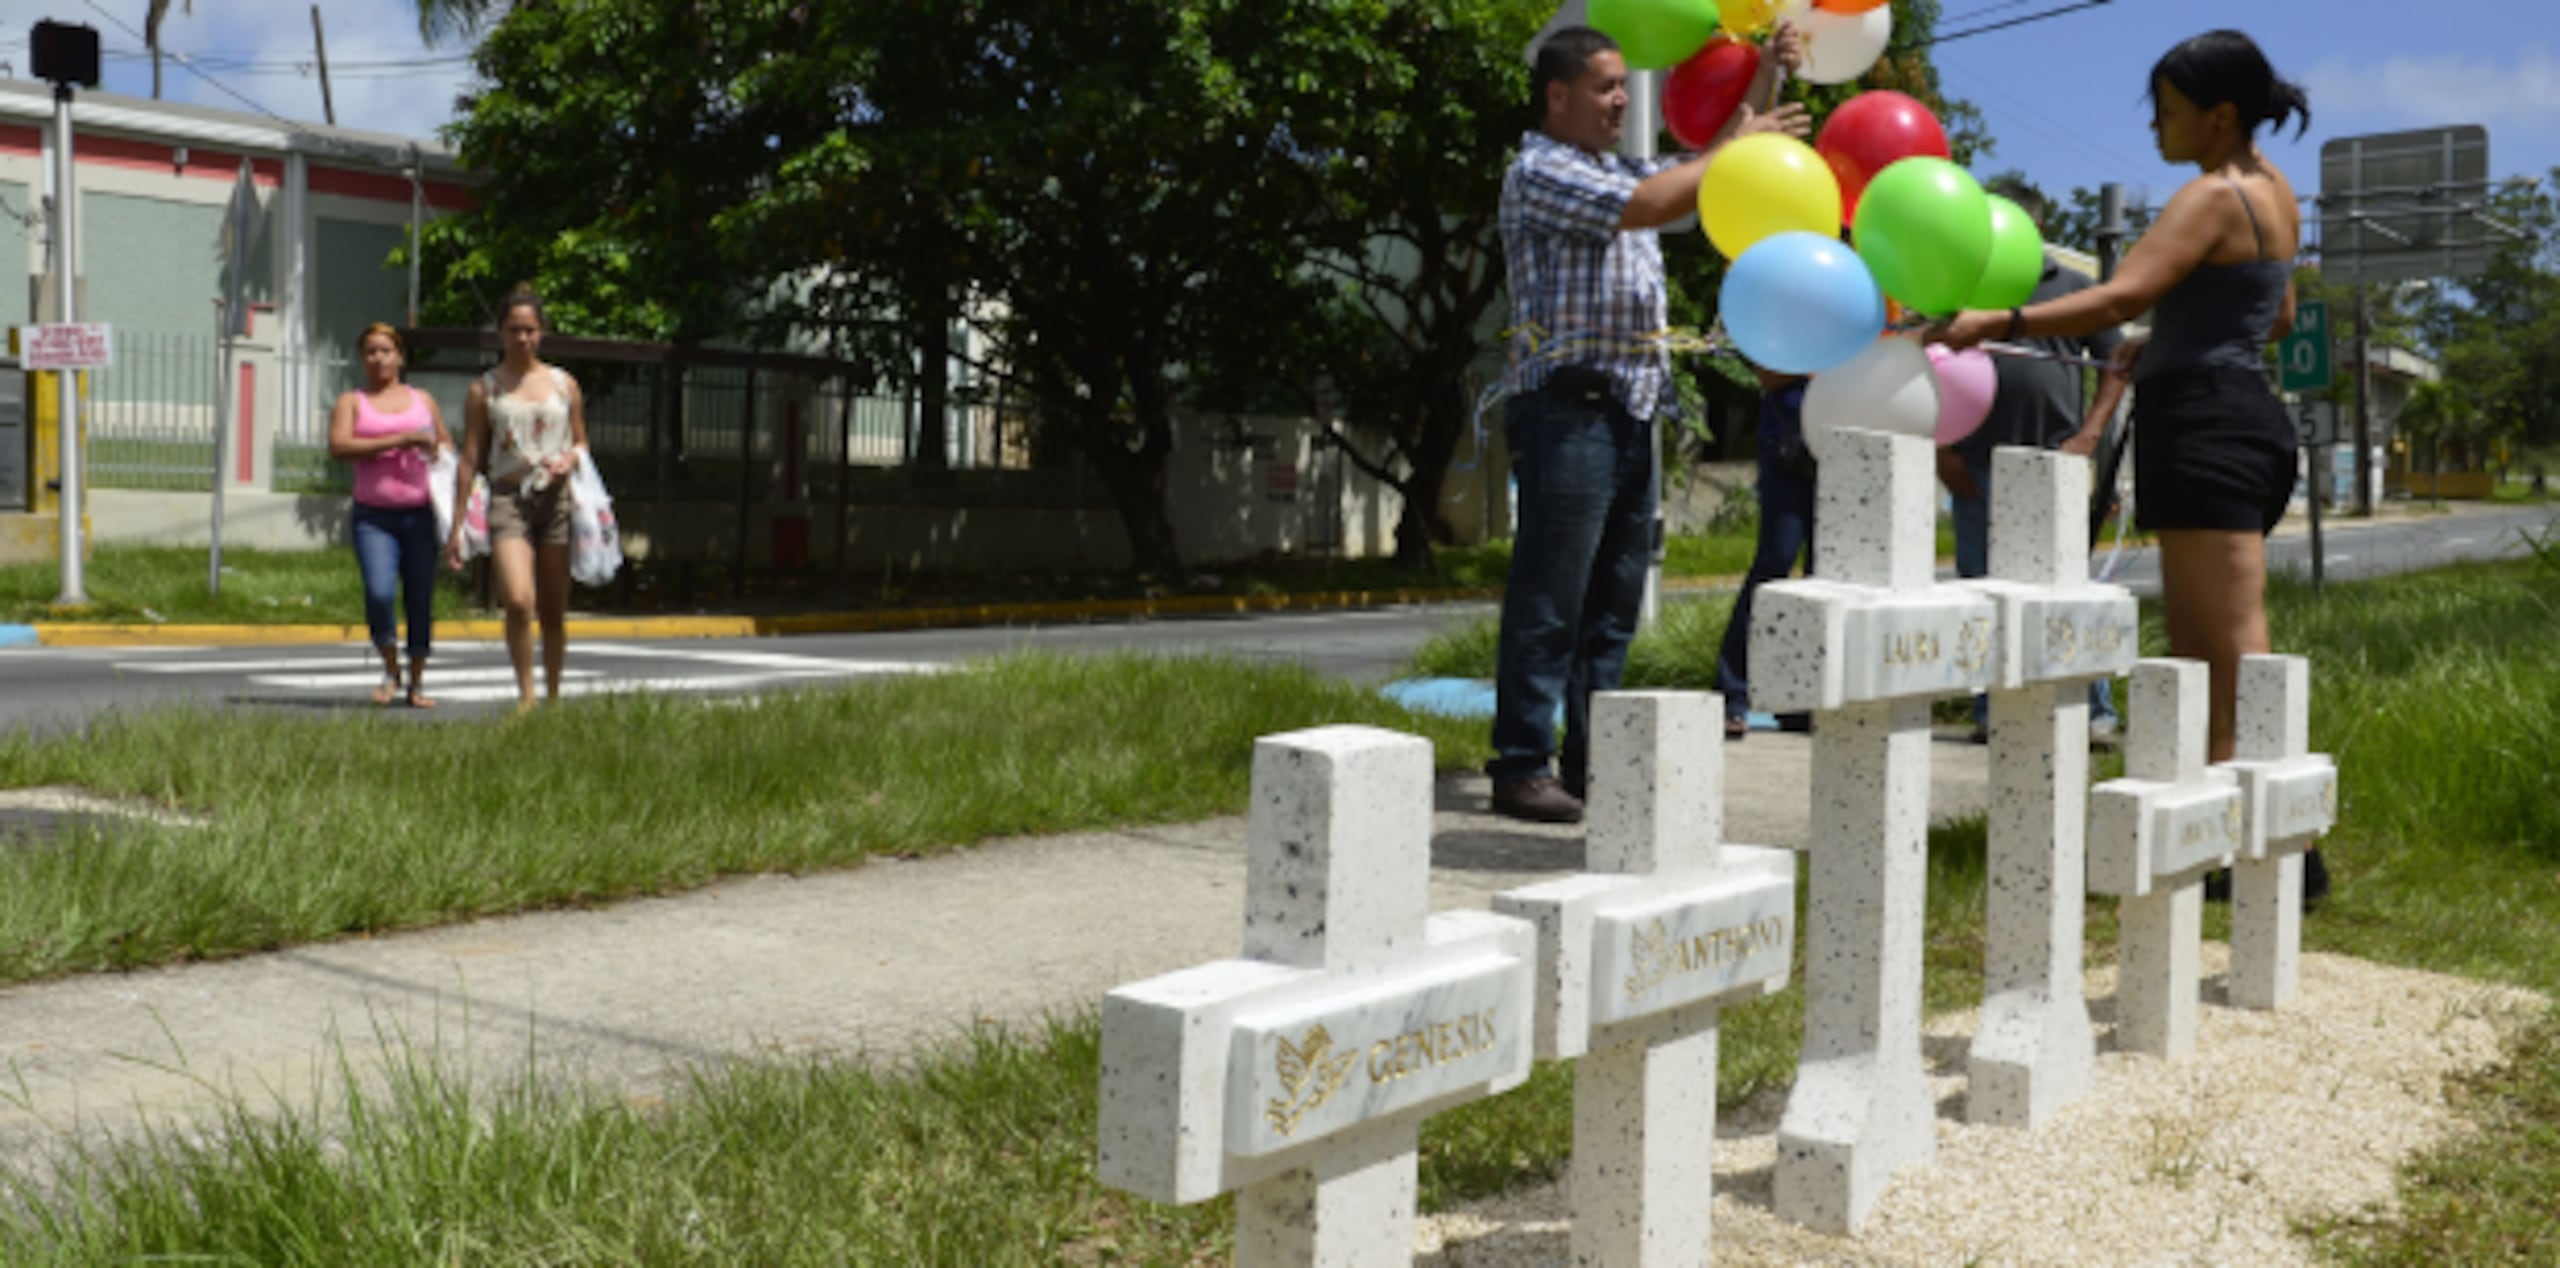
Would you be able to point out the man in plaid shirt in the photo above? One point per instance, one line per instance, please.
(1588, 372)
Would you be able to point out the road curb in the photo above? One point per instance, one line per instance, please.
(19, 636)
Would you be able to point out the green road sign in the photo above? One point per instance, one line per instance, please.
(2305, 352)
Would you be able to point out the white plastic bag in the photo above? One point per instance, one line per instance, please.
(595, 542)
(440, 473)
(475, 520)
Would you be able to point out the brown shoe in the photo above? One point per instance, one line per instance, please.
(1536, 798)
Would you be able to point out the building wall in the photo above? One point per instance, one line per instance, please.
(145, 257)
(350, 255)
(17, 202)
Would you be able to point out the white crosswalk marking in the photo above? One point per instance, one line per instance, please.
(479, 671)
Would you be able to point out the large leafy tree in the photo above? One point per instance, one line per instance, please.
(1412, 271)
(2498, 334)
(611, 136)
(1128, 191)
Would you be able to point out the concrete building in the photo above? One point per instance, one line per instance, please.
(154, 180)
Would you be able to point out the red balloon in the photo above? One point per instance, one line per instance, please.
(1873, 131)
(1702, 92)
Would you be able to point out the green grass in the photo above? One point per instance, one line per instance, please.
(981, 1158)
(155, 584)
(2436, 692)
(325, 826)
(167, 584)
(2493, 1198)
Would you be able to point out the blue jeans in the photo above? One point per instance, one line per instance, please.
(1578, 560)
(1973, 559)
(1786, 534)
(396, 550)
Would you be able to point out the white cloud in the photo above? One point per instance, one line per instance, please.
(2520, 92)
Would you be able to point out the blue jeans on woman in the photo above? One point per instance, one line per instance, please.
(1579, 553)
(1786, 534)
(396, 552)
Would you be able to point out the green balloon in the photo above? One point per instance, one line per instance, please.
(1924, 227)
(2017, 258)
(1656, 34)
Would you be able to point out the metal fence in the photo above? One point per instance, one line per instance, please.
(662, 432)
(151, 414)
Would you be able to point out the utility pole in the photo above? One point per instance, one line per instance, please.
(2110, 228)
(320, 45)
(417, 219)
(2364, 401)
(66, 55)
(1637, 141)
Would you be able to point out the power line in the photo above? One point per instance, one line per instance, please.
(1974, 15)
(2033, 117)
(252, 66)
(2003, 25)
(223, 88)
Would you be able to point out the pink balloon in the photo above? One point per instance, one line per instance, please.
(1966, 383)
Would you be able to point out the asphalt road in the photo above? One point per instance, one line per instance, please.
(53, 687)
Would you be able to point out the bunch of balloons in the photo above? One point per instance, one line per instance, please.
(1706, 45)
(1920, 231)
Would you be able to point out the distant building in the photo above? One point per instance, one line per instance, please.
(153, 181)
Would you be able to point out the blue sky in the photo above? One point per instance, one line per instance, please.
(2063, 97)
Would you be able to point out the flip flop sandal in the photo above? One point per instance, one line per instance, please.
(387, 692)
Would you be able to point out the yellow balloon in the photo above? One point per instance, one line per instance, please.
(1746, 18)
(1766, 184)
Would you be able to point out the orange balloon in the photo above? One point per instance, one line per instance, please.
(1849, 6)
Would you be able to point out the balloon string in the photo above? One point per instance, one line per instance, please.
(2038, 354)
(1673, 340)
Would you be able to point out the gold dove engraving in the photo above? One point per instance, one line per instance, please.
(2061, 640)
(1973, 644)
(1656, 955)
(1310, 1073)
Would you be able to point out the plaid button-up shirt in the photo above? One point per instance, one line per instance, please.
(1579, 282)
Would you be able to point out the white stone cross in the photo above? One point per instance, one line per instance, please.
(1299, 1074)
(2035, 1051)
(2152, 836)
(2288, 798)
(1636, 958)
(1869, 643)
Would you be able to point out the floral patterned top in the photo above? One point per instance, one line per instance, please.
(523, 434)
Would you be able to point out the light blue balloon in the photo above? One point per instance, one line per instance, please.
(1801, 303)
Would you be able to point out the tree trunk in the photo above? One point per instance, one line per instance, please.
(930, 465)
(1135, 479)
(1445, 410)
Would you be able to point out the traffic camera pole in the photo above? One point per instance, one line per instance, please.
(67, 400)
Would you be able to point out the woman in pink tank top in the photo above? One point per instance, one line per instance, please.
(390, 431)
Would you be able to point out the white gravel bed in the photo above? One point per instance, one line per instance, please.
(2211, 1160)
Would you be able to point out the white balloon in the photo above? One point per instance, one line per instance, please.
(1890, 387)
(1839, 47)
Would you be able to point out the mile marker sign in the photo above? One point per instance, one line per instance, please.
(66, 346)
(2305, 352)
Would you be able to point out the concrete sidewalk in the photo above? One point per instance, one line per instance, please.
(870, 962)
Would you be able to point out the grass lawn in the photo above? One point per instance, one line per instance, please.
(2438, 693)
(152, 585)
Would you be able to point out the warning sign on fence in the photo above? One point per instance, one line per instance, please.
(66, 346)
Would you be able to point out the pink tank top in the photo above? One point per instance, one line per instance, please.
(395, 479)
